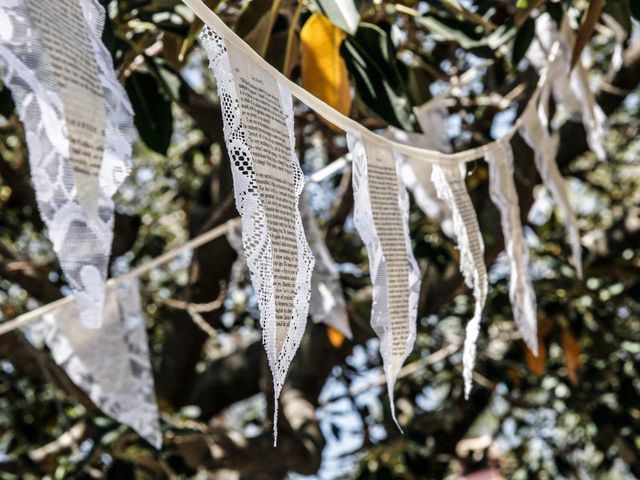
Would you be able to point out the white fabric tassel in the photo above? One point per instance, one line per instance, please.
(537, 137)
(449, 182)
(502, 190)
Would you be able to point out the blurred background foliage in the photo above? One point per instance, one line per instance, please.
(572, 412)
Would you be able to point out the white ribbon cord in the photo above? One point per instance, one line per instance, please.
(342, 121)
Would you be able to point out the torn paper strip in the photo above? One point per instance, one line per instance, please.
(78, 128)
(381, 216)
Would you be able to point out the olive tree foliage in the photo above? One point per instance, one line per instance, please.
(574, 411)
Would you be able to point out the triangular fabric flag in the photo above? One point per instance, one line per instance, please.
(381, 216)
(575, 96)
(538, 138)
(78, 127)
(258, 129)
(502, 190)
(111, 363)
(449, 182)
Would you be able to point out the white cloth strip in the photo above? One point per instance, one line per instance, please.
(449, 182)
(502, 190)
(535, 133)
(268, 181)
(122, 387)
(332, 115)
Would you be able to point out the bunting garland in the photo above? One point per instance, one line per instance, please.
(78, 126)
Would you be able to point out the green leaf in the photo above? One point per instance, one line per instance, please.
(153, 116)
(343, 14)
(417, 85)
(522, 41)
(620, 10)
(371, 61)
(7, 107)
(169, 80)
(635, 9)
(464, 34)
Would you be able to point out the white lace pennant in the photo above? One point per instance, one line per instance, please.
(416, 173)
(327, 304)
(502, 190)
(538, 138)
(449, 182)
(576, 95)
(111, 363)
(268, 180)
(381, 216)
(78, 127)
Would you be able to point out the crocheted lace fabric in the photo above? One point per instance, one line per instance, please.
(268, 181)
(123, 386)
(78, 127)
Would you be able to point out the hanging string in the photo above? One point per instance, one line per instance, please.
(328, 112)
(348, 124)
(192, 244)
